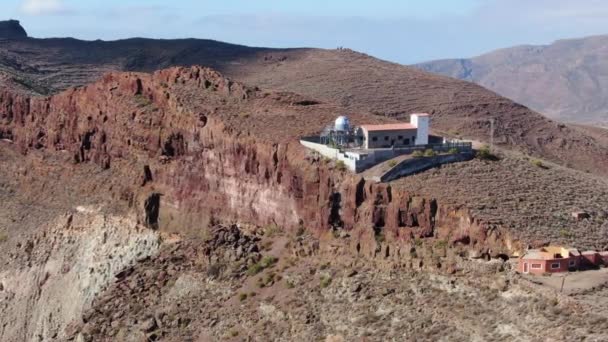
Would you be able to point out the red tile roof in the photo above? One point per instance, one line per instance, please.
(388, 127)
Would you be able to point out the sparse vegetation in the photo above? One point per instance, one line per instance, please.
(484, 153)
(340, 165)
(3, 237)
(272, 230)
(441, 244)
(539, 164)
(266, 262)
(418, 154)
(392, 163)
(255, 269)
(242, 297)
(531, 205)
(325, 281)
(566, 234)
(379, 236)
(429, 153)
(453, 150)
(142, 101)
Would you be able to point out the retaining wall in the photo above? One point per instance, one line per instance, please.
(415, 165)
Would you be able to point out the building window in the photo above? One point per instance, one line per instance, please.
(572, 263)
(536, 266)
(386, 138)
(406, 142)
(400, 137)
(556, 265)
(375, 139)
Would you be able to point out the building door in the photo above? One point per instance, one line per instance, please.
(525, 267)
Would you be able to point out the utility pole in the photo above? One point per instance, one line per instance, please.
(491, 134)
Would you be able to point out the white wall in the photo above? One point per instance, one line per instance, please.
(351, 160)
(421, 122)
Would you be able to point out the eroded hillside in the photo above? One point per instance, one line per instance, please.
(356, 81)
(130, 190)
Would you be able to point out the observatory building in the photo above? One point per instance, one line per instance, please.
(398, 135)
(361, 147)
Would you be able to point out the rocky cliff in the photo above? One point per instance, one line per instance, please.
(206, 148)
(11, 29)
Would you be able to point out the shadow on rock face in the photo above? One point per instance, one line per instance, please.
(152, 209)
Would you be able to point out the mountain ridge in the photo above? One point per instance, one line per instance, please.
(567, 79)
(356, 81)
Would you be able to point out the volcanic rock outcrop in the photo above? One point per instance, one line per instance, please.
(12, 29)
(210, 148)
(354, 80)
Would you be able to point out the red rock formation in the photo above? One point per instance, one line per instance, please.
(178, 128)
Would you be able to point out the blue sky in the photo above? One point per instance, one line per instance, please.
(404, 31)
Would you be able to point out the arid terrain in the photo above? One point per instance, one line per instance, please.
(178, 204)
(460, 109)
(565, 80)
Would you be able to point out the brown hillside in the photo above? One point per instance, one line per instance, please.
(357, 81)
(112, 194)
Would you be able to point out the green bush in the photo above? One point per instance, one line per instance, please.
(325, 281)
(392, 163)
(418, 154)
(441, 244)
(242, 297)
(268, 261)
(3, 237)
(539, 164)
(485, 153)
(263, 264)
(255, 269)
(429, 153)
(272, 230)
(453, 150)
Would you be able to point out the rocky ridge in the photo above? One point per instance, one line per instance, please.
(208, 158)
(460, 109)
(176, 152)
(12, 29)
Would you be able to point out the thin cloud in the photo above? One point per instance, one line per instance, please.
(43, 7)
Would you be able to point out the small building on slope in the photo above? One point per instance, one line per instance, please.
(416, 132)
(550, 259)
(555, 259)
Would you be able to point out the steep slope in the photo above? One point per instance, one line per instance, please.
(459, 109)
(566, 80)
(101, 182)
(357, 81)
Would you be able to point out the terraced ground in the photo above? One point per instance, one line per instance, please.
(532, 198)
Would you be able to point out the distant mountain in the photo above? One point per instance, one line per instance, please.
(567, 80)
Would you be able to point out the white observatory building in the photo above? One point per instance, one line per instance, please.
(361, 147)
(414, 133)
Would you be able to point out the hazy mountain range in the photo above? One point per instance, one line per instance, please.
(567, 80)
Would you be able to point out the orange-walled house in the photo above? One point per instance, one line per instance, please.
(550, 259)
